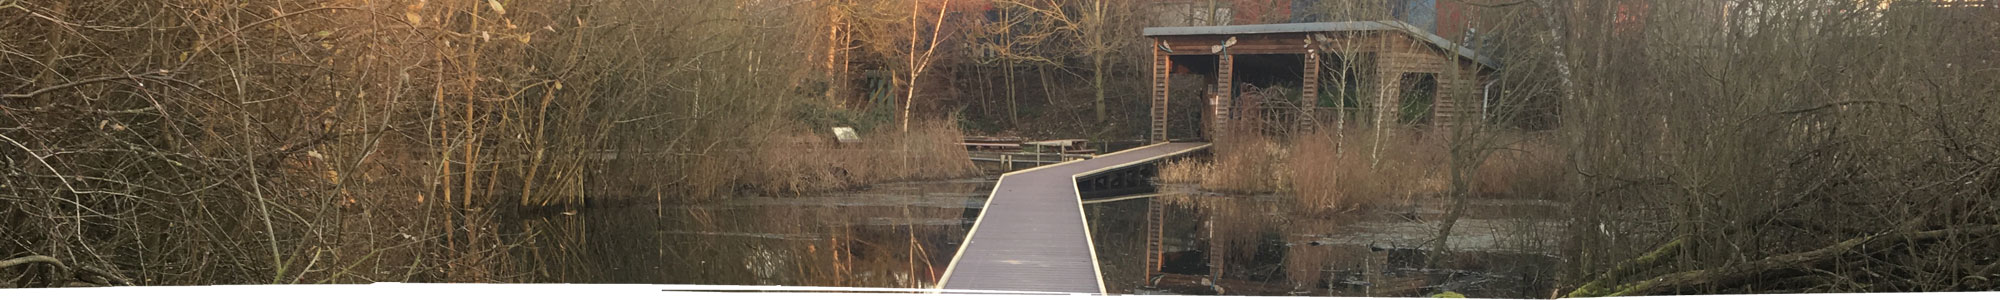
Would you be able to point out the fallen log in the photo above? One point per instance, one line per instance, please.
(64, 272)
(32, 259)
(1604, 282)
(1981, 279)
(1745, 273)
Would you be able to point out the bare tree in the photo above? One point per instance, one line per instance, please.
(918, 63)
(187, 142)
(1747, 146)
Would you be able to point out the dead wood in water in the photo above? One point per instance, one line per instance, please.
(1631, 267)
(1778, 267)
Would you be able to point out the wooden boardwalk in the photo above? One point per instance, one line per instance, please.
(1032, 236)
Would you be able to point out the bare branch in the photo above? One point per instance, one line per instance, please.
(32, 94)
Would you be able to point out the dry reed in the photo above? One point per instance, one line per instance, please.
(1331, 172)
(1531, 168)
(806, 163)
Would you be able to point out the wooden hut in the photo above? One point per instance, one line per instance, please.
(1355, 72)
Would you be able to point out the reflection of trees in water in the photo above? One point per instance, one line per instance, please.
(1252, 241)
(835, 242)
(1266, 247)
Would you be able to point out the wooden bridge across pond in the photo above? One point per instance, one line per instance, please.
(1031, 236)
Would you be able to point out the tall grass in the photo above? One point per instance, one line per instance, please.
(815, 162)
(1184, 171)
(1246, 166)
(1531, 169)
(1336, 172)
(1328, 172)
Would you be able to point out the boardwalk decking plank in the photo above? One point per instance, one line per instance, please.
(1031, 236)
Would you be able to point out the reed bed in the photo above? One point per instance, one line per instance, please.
(1529, 169)
(1330, 172)
(808, 163)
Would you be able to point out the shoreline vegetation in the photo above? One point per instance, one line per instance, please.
(807, 163)
(200, 142)
(1330, 173)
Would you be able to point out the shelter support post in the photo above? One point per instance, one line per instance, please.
(1162, 69)
(1308, 92)
(1224, 94)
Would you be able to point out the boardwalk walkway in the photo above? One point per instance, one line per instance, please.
(1032, 237)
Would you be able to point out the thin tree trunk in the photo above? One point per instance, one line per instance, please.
(918, 65)
(833, 47)
(915, 70)
(1453, 212)
(1013, 108)
(1097, 23)
(1097, 62)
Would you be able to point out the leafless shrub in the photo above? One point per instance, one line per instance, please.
(193, 142)
(1777, 146)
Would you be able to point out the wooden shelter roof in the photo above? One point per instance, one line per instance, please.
(1352, 26)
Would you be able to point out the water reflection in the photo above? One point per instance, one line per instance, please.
(1206, 244)
(903, 235)
(893, 235)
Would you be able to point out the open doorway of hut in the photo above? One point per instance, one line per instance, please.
(1190, 84)
(1268, 87)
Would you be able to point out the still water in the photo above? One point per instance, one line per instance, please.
(1209, 244)
(890, 235)
(1176, 242)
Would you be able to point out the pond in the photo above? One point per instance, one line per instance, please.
(889, 235)
(1184, 242)
(1176, 242)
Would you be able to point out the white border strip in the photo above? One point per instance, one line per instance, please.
(658, 291)
(780, 288)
